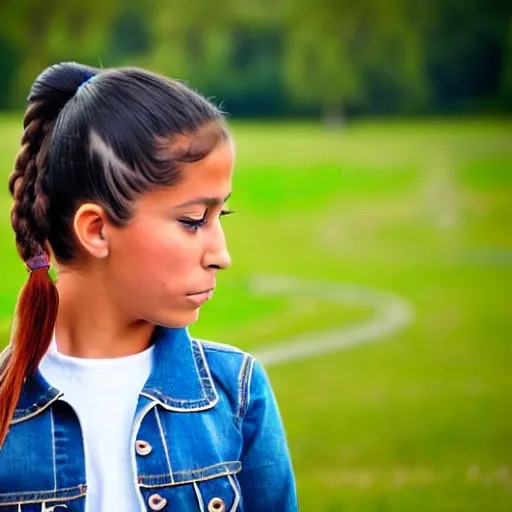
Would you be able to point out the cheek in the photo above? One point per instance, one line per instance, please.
(162, 255)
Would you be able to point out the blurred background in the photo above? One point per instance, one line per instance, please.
(372, 243)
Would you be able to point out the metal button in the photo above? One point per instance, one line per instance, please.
(216, 505)
(156, 502)
(143, 447)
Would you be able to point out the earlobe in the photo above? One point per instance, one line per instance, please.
(91, 230)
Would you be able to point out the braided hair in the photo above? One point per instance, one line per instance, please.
(90, 135)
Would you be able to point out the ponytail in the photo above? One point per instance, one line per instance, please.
(36, 310)
(34, 321)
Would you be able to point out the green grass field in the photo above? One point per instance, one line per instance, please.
(421, 420)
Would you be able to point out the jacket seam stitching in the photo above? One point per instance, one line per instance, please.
(249, 382)
(219, 347)
(211, 386)
(225, 465)
(236, 501)
(19, 495)
(164, 442)
(54, 450)
(196, 347)
(242, 387)
(2, 504)
(195, 408)
(199, 497)
(206, 468)
(36, 412)
(139, 418)
(184, 482)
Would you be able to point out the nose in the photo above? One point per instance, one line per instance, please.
(216, 255)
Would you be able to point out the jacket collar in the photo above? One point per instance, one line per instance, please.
(180, 379)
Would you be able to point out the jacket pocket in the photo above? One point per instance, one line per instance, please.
(71, 499)
(210, 489)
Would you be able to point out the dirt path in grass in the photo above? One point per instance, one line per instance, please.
(390, 313)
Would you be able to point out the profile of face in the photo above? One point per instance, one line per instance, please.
(161, 266)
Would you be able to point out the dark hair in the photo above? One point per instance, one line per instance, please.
(104, 136)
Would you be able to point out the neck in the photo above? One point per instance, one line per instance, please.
(90, 326)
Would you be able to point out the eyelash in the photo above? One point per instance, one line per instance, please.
(194, 225)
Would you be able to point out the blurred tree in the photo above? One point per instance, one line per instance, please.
(10, 62)
(130, 36)
(464, 43)
(51, 31)
(190, 39)
(506, 71)
(278, 57)
(230, 50)
(339, 51)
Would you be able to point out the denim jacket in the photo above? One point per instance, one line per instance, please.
(207, 436)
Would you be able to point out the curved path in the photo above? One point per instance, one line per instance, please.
(390, 313)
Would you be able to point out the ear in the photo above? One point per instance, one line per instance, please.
(90, 226)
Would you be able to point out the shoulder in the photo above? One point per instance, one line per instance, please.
(230, 368)
(224, 360)
(213, 346)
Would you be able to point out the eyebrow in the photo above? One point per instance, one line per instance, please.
(207, 201)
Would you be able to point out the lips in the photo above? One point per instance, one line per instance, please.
(207, 290)
(201, 297)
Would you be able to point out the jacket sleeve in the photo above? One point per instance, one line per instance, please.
(267, 481)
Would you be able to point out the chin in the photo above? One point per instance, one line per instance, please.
(178, 320)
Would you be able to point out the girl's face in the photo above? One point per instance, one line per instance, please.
(162, 265)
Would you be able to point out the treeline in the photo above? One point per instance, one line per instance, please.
(279, 57)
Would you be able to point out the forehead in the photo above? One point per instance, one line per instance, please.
(212, 171)
(209, 177)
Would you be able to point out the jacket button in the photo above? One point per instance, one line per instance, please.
(156, 502)
(216, 505)
(143, 447)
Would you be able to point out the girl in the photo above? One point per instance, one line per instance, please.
(106, 403)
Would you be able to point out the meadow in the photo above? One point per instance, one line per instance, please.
(420, 420)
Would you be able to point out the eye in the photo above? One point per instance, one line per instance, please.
(193, 224)
(223, 213)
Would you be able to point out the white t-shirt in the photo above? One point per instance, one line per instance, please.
(104, 394)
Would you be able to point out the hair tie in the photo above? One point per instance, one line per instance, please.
(38, 262)
(85, 82)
